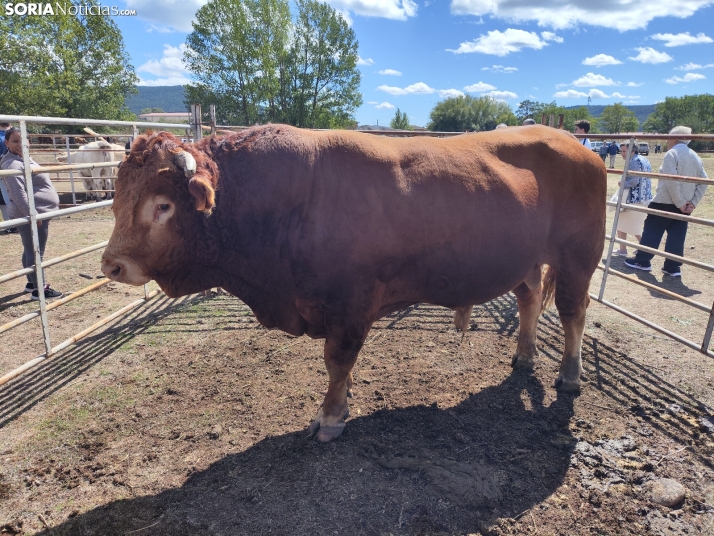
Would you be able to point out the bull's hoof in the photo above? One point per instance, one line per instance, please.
(567, 386)
(326, 429)
(523, 362)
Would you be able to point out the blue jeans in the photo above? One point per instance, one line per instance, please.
(28, 255)
(655, 226)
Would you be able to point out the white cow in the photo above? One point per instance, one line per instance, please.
(97, 179)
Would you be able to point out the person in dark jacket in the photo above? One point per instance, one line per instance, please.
(46, 200)
(612, 150)
(602, 151)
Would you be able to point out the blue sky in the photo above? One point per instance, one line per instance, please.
(414, 53)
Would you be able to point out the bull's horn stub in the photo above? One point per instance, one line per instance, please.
(186, 162)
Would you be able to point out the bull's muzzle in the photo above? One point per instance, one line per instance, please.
(112, 269)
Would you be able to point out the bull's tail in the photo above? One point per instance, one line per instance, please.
(548, 288)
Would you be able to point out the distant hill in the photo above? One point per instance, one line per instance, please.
(642, 111)
(168, 98)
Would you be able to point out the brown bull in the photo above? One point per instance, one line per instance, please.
(323, 233)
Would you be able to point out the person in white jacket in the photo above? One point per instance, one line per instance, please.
(672, 196)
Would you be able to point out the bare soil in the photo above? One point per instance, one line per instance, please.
(188, 417)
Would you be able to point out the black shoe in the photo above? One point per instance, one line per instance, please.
(676, 272)
(30, 287)
(11, 230)
(49, 293)
(632, 262)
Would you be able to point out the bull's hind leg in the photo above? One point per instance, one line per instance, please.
(571, 300)
(529, 296)
(341, 349)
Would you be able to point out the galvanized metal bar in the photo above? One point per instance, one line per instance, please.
(708, 332)
(662, 291)
(56, 213)
(654, 326)
(641, 136)
(84, 122)
(60, 167)
(33, 363)
(71, 174)
(53, 305)
(615, 221)
(680, 178)
(78, 253)
(665, 214)
(702, 265)
(40, 279)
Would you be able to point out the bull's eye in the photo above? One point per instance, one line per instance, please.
(163, 207)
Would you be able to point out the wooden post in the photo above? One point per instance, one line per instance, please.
(551, 120)
(561, 117)
(196, 122)
(213, 119)
(544, 119)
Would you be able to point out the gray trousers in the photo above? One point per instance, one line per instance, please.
(28, 254)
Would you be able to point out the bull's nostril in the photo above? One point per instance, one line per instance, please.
(115, 272)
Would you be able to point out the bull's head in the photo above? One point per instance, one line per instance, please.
(164, 191)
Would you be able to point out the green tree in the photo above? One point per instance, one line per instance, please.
(695, 111)
(617, 118)
(529, 108)
(400, 121)
(467, 113)
(64, 65)
(256, 64)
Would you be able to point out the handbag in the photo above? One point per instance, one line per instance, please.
(616, 196)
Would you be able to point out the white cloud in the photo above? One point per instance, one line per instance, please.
(450, 93)
(694, 66)
(501, 43)
(478, 87)
(390, 72)
(677, 40)
(634, 84)
(387, 9)
(176, 14)
(571, 13)
(650, 55)
(384, 106)
(593, 80)
(501, 95)
(363, 61)
(597, 94)
(500, 69)
(550, 36)
(689, 77)
(418, 88)
(617, 95)
(170, 68)
(601, 59)
(158, 28)
(570, 94)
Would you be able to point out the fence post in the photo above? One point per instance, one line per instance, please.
(196, 121)
(40, 287)
(544, 119)
(613, 234)
(71, 173)
(213, 119)
(560, 120)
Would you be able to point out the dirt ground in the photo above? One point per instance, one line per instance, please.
(187, 417)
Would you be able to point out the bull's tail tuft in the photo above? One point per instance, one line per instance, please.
(548, 288)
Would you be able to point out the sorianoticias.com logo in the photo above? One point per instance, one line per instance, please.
(58, 8)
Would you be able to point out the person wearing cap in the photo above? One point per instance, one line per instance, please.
(529, 121)
(672, 196)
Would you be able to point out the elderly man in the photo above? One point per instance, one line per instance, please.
(672, 196)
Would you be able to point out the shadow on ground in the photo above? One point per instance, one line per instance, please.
(433, 471)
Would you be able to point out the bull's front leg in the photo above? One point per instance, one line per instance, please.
(341, 349)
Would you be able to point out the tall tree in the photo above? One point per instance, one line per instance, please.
(695, 111)
(467, 113)
(529, 108)
(257, 64)
(64, 65)
(617, 118)
(400, 121)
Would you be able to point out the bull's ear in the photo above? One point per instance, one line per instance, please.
(202, 190)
